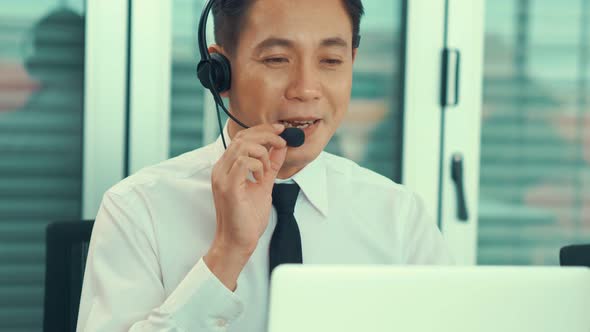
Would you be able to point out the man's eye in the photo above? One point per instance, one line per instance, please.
(275, 61)
(332, 62)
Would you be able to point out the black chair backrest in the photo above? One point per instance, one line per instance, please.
(575, 255)
(67, 248)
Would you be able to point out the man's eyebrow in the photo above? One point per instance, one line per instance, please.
(281, 42)
(334, 42)
(272, 42)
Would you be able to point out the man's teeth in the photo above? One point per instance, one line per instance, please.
(301, 125)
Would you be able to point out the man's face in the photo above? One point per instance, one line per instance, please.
(293, 62)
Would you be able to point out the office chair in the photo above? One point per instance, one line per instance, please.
(67, 247)
(575, 255)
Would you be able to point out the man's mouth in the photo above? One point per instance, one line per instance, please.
(301, 124)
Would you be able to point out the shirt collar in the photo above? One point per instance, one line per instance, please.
(311, 179)
(314, 184)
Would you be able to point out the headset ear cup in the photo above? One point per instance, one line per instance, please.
(220, 70)
(203, 70)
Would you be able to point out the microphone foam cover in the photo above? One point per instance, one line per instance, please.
(295, 137)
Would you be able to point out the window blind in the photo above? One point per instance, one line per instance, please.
(535, 165)
(40, 149)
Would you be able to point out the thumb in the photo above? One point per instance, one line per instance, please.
(277, 158)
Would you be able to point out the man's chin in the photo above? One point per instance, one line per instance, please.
(298, 158)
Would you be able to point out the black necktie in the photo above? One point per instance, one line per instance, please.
(285, 244)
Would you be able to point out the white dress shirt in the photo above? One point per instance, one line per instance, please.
(145, 270)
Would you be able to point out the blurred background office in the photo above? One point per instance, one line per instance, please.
(91, 91)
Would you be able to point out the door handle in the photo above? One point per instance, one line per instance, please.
(451, 74)
(457, 176)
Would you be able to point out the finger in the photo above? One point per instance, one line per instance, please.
(277, 158)
(242, 145)
(259, 152)
(247, 149)
(253, 150)
(242, 167)
(277, 128)
(263, 135)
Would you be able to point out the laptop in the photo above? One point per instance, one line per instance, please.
(314, 298)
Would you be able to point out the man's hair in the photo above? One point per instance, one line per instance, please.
(229, 17)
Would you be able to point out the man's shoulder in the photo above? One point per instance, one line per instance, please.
(192, 165)
(358, 175)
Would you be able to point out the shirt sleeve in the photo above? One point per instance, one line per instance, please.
(423, 241)
(123, 289)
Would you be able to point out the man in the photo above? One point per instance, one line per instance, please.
(186, 245)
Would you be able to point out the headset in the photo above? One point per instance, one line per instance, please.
(214, 73)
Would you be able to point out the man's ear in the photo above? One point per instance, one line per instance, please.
(354, 51)
(215, 48)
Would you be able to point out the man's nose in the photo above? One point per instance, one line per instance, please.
(305, 84)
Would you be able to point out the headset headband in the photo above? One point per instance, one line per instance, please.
(202, 31)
